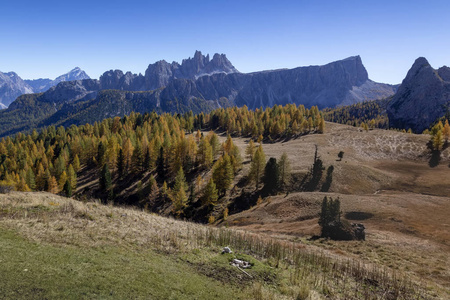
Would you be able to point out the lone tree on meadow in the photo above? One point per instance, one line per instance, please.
(330, 214)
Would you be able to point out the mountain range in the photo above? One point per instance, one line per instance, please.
(198, 84)
(12, 86)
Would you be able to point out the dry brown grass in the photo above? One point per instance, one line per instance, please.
(384, 173)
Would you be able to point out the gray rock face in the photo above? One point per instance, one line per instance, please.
(423, 97)
(337, 83)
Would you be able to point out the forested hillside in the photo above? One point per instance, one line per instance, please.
(370, 114)
(164, 154)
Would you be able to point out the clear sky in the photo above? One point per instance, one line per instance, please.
(48, 38)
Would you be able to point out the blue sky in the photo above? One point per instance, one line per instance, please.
(48, 38)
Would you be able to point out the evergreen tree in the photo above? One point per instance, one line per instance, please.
(284, 167)
(192, 194)
(60, 166)
(40, 178)
(52, 185)
(324, 217)
(161, 165)
(214, 142)
(178, 194)
(120, 164)
(101, 151)
(271, 177)
(164, 191)
(47, 179)
(30, 179)
(315, 173)
(22, 186)
(67, 189)
(62, 181)
(76, 163)
(72, 177)
(128, 150)
(147, 161)
(154, 190)
(205, 152)
(446, 131)
(321, 126)
(257, 166)
(438, 141)
(137, 159)
(223, 174)
(250, 149)
(105, 182)
(330, 212)
(210, 193)
(140, 191)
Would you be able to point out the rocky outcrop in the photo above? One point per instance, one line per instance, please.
(422, 98)
(344, 231)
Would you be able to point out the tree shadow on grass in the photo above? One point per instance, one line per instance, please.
(435, 158)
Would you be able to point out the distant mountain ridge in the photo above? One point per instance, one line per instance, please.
(43, 84)
(12, 86)
(198, 84)
(422, 98)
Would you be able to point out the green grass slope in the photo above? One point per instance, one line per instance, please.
(59, 248)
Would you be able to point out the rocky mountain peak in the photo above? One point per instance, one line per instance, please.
(74, 74)
(421, 98)
(159, 74)
(444, 73)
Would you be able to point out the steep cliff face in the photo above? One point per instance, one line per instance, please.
(337, 83)
(423, 97)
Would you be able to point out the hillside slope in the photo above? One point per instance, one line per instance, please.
(55, 247)
(383, 181)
